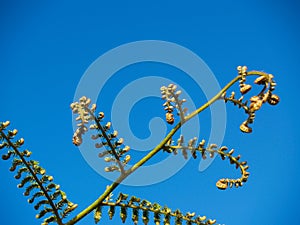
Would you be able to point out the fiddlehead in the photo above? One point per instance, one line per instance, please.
(265, 95)
(115, 150)
(210, 151)
(50, 199)
(142, 209)
(255, 102)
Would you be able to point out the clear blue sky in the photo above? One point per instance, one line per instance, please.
(45, 47)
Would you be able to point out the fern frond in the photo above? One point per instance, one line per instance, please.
(253, 104)
(108, 137)
(34, 177)
(157, 211)
(210, 151)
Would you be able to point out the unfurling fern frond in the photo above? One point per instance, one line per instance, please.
(159, 214)
(253, 104)
(35, 181)
(115, 150)
(210, 151)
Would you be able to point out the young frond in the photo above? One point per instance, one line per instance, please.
(212, 150)
(35, 181)
(255, 102)
(158, 212)
(105, 136)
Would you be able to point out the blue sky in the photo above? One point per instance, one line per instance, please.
(45, 48)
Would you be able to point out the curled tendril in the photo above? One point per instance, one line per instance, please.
(255, 102)
(210, 151)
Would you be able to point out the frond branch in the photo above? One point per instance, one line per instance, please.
(157, 210)
(104, 134)
(37, 180)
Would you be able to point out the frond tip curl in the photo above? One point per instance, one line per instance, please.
(255, 102)
(210, 151)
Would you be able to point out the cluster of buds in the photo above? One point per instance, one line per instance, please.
(171, 96)
(4, 125)
(85, 114)
(256, 101)
(169, 113)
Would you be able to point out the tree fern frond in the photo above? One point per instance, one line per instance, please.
(254, 103)
(210, 151)
(35, 176)
(108, 137)
(157, 211)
